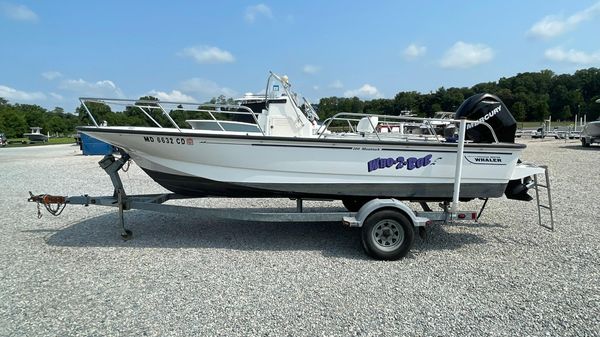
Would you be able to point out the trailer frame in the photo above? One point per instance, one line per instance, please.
(417, 220)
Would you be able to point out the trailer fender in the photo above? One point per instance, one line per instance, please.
(378, 204)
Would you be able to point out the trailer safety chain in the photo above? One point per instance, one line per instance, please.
(55, 205)
(125, 169)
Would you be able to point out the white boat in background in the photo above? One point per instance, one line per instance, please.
(590, 133)
(36, 135)
(276, 148)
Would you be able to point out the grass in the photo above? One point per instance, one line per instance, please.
(19, 142)
(529, 125)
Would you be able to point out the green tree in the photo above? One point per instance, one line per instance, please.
(14, 123)
(407, 101)
(519, 111)
(55, 124)
(380, 107)
(452, 99)
(99, 111)
(565, 113)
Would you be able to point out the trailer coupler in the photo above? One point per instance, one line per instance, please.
(54, 204)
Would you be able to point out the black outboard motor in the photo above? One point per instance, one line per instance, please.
(517, 189)
(490, 109)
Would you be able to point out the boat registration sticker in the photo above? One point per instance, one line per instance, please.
(169, 140)
(409, 163)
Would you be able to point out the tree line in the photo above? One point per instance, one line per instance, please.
(531, 96)
(16, 119)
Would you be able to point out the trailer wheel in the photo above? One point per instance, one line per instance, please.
(584, 142)
(387, 235)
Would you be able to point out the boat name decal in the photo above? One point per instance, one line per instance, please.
(366, 148)
(169, 140)
(485, 160)
(487, 116)
(410, 163)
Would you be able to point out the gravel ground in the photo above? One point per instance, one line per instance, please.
(72, 275)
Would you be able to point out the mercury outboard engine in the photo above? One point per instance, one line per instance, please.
(490, 109)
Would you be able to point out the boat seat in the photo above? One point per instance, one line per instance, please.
(367, 124)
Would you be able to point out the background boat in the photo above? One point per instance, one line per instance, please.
(36, 135)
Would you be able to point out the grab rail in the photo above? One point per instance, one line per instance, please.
(352, 116)
(146, 105)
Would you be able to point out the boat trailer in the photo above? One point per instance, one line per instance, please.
(388, 225)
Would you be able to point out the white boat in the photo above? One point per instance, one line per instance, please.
(278, 149)
(36, 135)
(590, 133)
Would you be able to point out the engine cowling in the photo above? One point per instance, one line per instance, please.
(490, 109)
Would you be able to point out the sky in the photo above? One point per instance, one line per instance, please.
(53, 52)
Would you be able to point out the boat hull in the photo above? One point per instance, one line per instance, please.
(236, 165)
(201, 187)
(36, 137)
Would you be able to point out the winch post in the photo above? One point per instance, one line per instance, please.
(111, 166)
(125, 233)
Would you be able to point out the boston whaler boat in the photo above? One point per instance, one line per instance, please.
(274, 145)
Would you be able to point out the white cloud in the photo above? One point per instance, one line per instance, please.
(552, 25)
(310, 69)
(316, 87)
(548, 27)
(252, 12)
(337, 84)
(558, 54)
(465, 55)
(366, 91)
(173, 96)
(104, 88)
(51, 75)
(56, 96)
(208, 54)
(413, 51)
(12, 94)
(18, 12)
(205, 88)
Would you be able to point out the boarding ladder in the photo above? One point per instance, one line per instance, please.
(537, 185)
(532, 184)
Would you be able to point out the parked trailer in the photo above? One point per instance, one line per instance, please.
(388, 225)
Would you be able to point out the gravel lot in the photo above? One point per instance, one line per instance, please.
(72, 275)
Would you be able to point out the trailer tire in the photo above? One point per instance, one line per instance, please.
(584, 142)
(387, 235)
